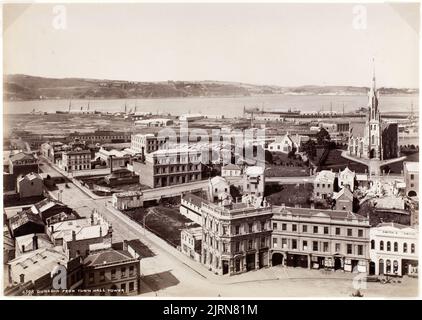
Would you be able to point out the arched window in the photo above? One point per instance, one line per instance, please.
(395, 266)
(412, 248)
(388, 246)
(396, 247)
(381, 245)
(404, 247)
(388, 266)
(372, 244)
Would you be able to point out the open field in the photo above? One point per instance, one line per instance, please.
(289, 194)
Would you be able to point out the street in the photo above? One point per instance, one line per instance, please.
(170, 273)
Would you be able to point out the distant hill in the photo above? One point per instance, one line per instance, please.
(24, 87)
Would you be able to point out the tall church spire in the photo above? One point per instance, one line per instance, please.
(373, 75)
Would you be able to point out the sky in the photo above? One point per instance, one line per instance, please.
(274, 44)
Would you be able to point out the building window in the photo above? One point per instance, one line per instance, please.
(372, 244)
(294, 244)
(412, 248)
(337, 231)
(325, 230)
(131, 270)
(349, 249)
(360, 233)
(315, 229)
(388, 246)
(315, 245)
(360, 250)
(412, 177)
(405, 247)
(349, 232)
(388, 266)
(338, 247)
(131, 286)
(325, 246)
(305, 245)
(396, 247)
(305, 228)
(274, 226)
(250, 227)
(283, 242)
(102, 276)
(381, 245)
(237, 247)
(237, 228)
(294, 227)
(123, 287)
(274, 242)
(284, 227)
(250, 244)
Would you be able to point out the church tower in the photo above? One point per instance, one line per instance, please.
(373, 122)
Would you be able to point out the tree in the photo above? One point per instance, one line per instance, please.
(323, 136)
(309, 148)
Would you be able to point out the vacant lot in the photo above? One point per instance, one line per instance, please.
(289, 194)
(165, 222)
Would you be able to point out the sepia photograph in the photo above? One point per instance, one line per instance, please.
(210, 150)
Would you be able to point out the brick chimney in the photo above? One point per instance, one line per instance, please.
(22, 278)
(35, 242)
(73, 236)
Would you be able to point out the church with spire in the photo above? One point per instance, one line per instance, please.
(375, 138)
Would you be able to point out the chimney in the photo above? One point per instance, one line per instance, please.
(73, 236)
(23, 248)
(35, 242)
(22, 278)
(101, 232)
(52, 229)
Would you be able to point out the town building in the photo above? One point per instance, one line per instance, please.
(191, 117)
(374, 138)
(76, 160)
(190, 207)
(48, 208)
(216, 186)
(101, 136)
(23, 163)
(311, 238)
(394, 250)
(127, 200)
(169, 167)
(254, 181)
(31, 242)
(287, 143)
(53, 150)
(113, 158)
(146, 143)
(324, 184)
(76, 236)
(112, 272)
(343, 199)
(191, 242)
(121, 176)
(411, 178)
(236, 237)
(346, 177)
(231, 170)
(154, 122)
(30, 185)
(25, 222)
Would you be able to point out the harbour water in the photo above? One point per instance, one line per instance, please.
(227, 106)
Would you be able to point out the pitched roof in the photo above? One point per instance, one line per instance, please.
(35, 264)
(343, 191)
(106, 257)
(31, 176)
(24, 217)
(22, 156)
(325, 176)
(26, 241)
(231, 166)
